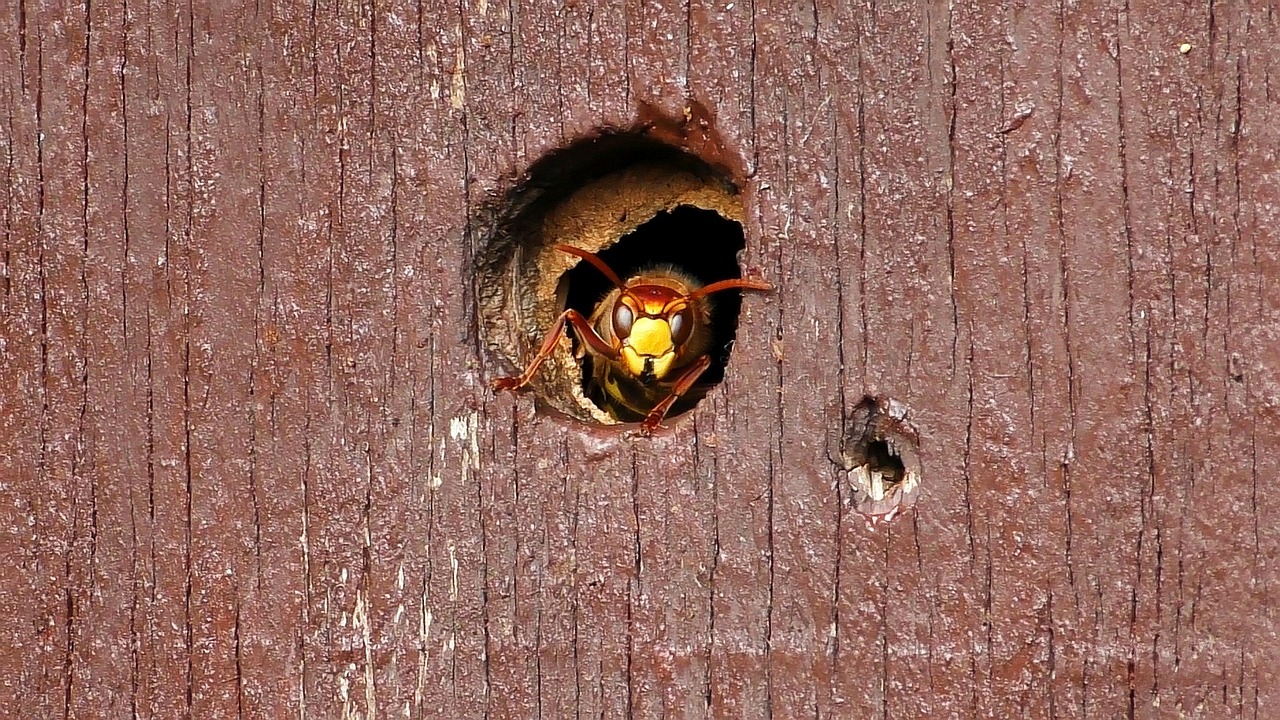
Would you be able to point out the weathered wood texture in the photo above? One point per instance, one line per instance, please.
(250, 465)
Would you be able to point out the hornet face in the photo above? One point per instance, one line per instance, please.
(653, 324)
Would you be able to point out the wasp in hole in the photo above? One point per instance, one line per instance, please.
(649, 339)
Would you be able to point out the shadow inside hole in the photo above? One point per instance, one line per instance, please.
(702, 243)
(881, 459)
(556, 177)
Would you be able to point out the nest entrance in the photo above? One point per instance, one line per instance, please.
(634, 201)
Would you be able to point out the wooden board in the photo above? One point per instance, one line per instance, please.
(250, 464)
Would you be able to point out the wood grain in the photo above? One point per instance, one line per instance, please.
(251, 466)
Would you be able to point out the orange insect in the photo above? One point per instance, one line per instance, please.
(649, 338)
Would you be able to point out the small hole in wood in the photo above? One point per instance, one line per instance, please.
(637, 203)
(880, 454)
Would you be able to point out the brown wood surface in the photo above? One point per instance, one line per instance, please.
(250, 466)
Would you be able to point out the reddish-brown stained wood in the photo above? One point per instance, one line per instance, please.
(251, 465)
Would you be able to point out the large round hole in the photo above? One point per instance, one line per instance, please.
(636, 202)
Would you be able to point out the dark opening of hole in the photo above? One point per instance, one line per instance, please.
(883, 460)
(701, 243)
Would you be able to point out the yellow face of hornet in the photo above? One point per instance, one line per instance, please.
(652, 323)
